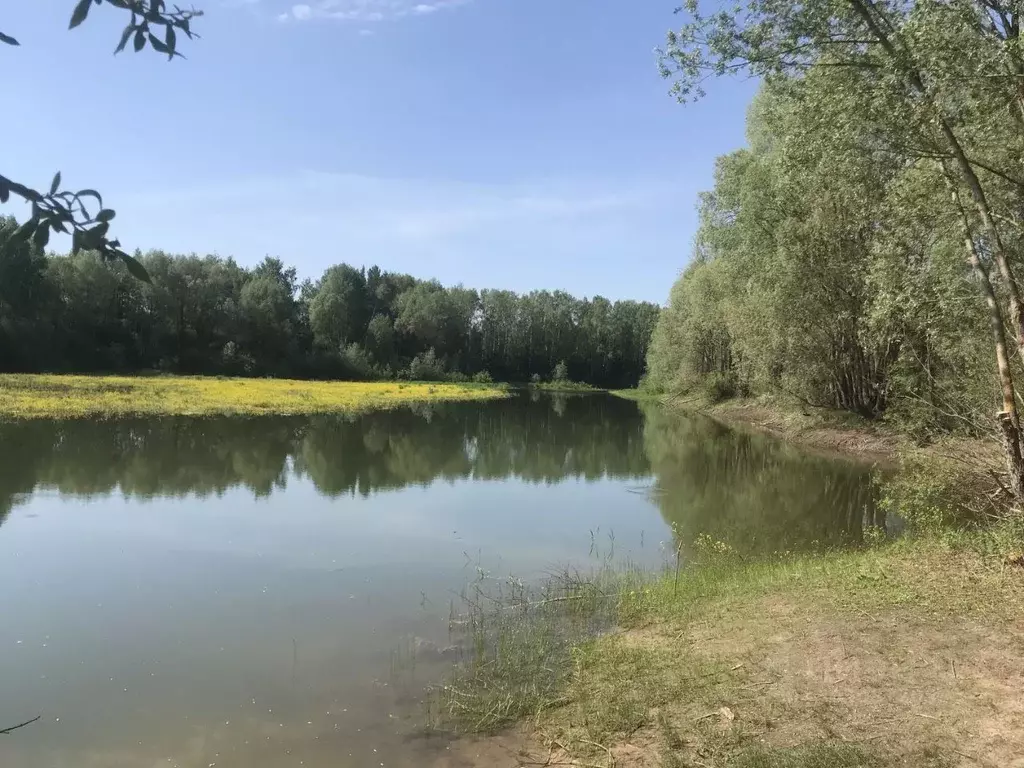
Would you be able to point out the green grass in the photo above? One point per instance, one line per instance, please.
(522, 640)
(565, 386)
(806, 756)
(676, 663)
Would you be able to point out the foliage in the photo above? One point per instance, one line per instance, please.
(58, 210)
(563, 386)
(862, 252)
(943, 490)
(561, 372)
(358, 364)
(828, 272)
(425, 367)
(720, 386)
(208, 315)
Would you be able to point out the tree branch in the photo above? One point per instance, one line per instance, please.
(5, 731)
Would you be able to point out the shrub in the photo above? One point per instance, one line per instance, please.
(482, 377)
(357, 362)
(720, 387)
(561, 372)
(236, 362)
(426, 367)
(933, 493)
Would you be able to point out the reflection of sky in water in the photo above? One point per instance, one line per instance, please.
(191, 627)
(196, 619)
(527, 525)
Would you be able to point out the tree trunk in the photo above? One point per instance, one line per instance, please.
(1007, 419)
(867, 9)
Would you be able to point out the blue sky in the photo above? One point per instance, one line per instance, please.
(498, 143)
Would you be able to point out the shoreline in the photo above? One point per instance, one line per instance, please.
(820, 429)
(836, 434)
(901, 653)
(897, 652)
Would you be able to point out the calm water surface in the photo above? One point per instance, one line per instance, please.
(234, 592)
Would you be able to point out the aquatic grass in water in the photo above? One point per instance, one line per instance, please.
(520, 641)
(65, 397)
(679, 663)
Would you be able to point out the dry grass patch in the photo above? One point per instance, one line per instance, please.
(908, 655)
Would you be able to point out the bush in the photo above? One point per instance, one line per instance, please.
(719, 387)
(483, 377)
(457, 377)
(535, 378)
(235, 362)
(933, 493)
(426, 367)
(357, 362)
(561, 372)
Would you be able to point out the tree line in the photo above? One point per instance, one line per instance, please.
(209, 315)
(862, 251)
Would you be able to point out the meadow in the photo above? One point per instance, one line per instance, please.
(33, 396)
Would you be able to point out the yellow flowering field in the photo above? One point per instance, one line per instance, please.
(65, 397)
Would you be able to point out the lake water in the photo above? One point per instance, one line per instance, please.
(235, 592)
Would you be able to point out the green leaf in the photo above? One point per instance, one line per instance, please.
(42, 234)
(76, 242)
(105, 215)
(135, 269)
(91, 193)
(92, 239)
(157, 43)
(124, 38)
(172, 40)
(140, 40)
(80, 12)
(98, 233)
(55, 184)
(24, 232)
(5, 192)
(8, 39)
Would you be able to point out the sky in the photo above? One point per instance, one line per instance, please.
(519, 144)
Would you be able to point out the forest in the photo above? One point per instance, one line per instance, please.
(861, 253)
(209, 315)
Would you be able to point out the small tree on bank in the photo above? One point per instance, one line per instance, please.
(561, 372)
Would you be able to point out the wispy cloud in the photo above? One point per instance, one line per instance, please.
(505, 234)
(366, 11)
(420, 210)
